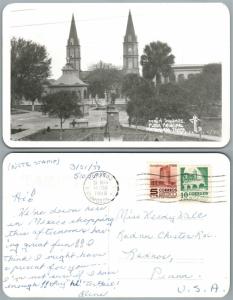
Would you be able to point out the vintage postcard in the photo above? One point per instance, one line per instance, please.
(116, 225)
(116, 75)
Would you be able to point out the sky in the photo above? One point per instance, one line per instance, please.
(198, 33)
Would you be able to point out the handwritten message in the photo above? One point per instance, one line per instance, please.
(56, 242)
(59, 248)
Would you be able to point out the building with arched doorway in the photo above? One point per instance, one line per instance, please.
(182, 72)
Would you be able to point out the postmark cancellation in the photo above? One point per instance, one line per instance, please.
(101, 187)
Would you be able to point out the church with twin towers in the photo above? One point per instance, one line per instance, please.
(74, 78)
(130, 48)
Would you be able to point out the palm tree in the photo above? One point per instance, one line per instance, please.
(156, 61)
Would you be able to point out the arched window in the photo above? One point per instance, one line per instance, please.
(190, 76)
(71, 53)
(181, 77)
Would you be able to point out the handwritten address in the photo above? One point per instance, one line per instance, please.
(56, 242)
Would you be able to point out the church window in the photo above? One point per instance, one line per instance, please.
(71, 53)
(129, 49)
(71, 41)
(129, 38)
(181, 77)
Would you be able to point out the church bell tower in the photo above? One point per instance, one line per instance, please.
(73, 56)
(130, 49)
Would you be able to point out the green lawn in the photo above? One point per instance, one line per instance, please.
(97, 134)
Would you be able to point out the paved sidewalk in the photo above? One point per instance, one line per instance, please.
(33, 122)
(22, 134)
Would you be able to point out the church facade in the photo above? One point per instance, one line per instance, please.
(74, 79)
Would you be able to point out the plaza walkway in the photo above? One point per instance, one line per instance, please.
(32, 122)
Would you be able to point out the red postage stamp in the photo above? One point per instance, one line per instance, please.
(163, 181)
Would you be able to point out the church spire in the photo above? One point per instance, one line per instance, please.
(73, 37)
(73, 56)
(130, 33)
(130, 49)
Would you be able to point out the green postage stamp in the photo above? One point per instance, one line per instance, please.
(194, 183)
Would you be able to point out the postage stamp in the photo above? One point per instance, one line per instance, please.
(194, 183)
(101, 187)
(163, 181)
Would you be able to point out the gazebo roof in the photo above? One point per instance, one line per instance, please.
(69, 77)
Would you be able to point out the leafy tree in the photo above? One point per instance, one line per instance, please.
(171, 103)
(205, 91)
(96, 87)
(147, 105)
(156, 61)
(101, 65)
(104, 78)
(62, 104)
(140, 95)
(212, 69)
(200, 94)
(30, 67)
(130, 84)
